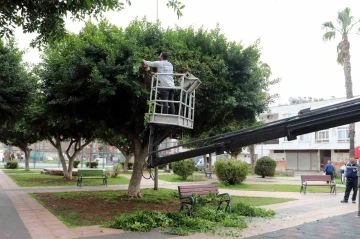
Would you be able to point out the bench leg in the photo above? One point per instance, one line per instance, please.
(305, 186)
(79, 182)
(301, 189)
(228, 207)
(189, 208)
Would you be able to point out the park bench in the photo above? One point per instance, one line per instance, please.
(91, 174)
(189, 193)
(317, 178)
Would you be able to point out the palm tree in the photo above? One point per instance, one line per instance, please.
(345, 23)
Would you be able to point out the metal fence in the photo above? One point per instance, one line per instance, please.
(41, 158)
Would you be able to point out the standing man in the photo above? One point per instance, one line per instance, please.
(329, 170)
(163, 66)
(351, 180)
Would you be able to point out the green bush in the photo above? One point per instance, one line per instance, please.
(130, 165)
(76, 163)
(183, 168)
(205, 218)
(116, 170)
(93, 164)
(11, 165)
(265, 166)
(230, 171)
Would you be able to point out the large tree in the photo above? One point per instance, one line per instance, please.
(97, 74)
(345, 24)
(60, 122)
(46, 18)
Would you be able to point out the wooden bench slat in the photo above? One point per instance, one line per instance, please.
(315, 177)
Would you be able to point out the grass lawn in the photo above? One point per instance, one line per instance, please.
(45, 180)
(176, 178)
(20, 171)
(280, 188)
(94, 208)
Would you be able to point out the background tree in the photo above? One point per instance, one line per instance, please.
(60, 122)
(125, 146)
(345, 23)
(97, 76)
(23, 130)
(46, 18)
(14, 82)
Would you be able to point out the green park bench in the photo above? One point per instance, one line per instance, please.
(91, 174)
(189, 193)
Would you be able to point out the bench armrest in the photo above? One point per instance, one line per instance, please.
(104, 176)
(186, 198)
(224, 195)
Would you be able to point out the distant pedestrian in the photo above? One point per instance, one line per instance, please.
(351, 180)
(329, 170)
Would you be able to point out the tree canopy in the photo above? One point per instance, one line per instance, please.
(46, 18)
(14, 82)
(94, 77)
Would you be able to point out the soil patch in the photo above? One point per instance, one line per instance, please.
(86, 209)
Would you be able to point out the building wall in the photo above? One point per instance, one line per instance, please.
(333, 140)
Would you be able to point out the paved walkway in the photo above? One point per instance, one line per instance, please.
(31, 220)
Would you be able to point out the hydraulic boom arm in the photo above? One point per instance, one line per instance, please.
(306, 121)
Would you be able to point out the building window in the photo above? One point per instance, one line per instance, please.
(343, 134)
(279, 151)
(322, 136)
(287, 115)
(304, 138)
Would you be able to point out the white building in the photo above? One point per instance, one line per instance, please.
(308, 152)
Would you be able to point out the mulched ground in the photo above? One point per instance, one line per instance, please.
(80, 211)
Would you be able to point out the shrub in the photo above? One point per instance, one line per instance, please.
(116, 170)
(76, 163)
(231, 171)
(11, 165)
(130, 165)
(183, 168)
(265, 166)
(93, 164)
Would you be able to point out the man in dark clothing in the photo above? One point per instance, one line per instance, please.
(351, 180)
(329, 170)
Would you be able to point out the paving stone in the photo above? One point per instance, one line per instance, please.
(343, 226)
(11, 224)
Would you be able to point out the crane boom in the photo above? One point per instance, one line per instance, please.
(307, 121)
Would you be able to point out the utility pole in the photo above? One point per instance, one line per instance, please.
(156, 173)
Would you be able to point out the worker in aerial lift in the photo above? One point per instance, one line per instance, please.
(164, 66)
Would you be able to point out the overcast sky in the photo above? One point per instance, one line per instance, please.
(290, 32)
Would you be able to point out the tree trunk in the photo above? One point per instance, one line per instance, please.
(63, 163)
(234, 154)
(252, 157)
(348, 87)
(26, 150)
(126, 163)
(27, 158)
(135, 181)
